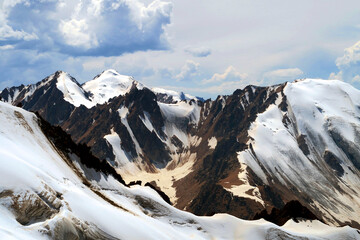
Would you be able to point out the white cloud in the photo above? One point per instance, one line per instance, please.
(349, 66)
(148, 16)
(336, 76)
(281, 75)
(86, 27)
(96, 7)
(230, 74)
(351, 56)
(188, 71)
(6, 47)
(76, 34)
(356, 79)
(198, 52)
(8, 33)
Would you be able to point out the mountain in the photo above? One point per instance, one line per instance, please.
(52, 188)
(254, 150)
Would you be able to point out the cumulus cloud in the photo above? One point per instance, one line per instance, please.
(9, 34)
(188, 71)
(85, 28)
(351, 56)
(230, 74)
(336, 76)
(76, 34)
(349, 66)
(198, 52)
(356, 80)
(282, 75)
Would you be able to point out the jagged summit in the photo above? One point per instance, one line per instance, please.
(99, 90)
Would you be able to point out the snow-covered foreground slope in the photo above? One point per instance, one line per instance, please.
(43, 195)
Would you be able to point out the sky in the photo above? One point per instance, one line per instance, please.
(201, 47)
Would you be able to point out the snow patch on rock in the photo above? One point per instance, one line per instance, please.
(212, 142)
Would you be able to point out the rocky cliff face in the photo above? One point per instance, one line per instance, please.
(256, 149)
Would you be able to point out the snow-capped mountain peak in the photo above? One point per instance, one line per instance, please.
(73, 92)
(99, 90)
(107, 85)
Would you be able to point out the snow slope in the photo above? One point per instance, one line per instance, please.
(174, 115)
(73, 93)
(316, 109)
(35, 177)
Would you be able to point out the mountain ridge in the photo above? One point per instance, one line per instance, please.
(214, 156)
(109, 84)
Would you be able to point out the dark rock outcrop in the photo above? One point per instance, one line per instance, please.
(292, 210)
(334, 162)
(63, 142)
(158, 190)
